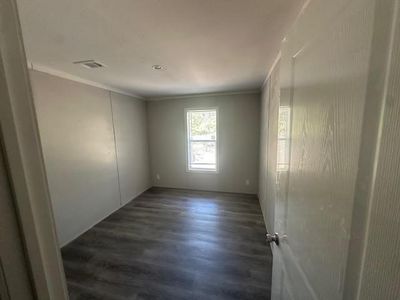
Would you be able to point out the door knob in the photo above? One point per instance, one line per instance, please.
(272, 238)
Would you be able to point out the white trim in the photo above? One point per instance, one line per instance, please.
(26, 164)
(173, 97)
(61, 74)
(68, 76)
(383, 108)
(203, 171)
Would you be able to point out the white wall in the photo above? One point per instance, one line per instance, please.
(77, 133)
(130, 122)
(238, 143)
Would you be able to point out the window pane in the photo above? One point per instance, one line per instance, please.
(283, 155)
(203, 125)
(283, 138)
(202, 139)
(203, 153)
(284, 118)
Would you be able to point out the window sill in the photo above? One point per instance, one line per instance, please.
(202, 171)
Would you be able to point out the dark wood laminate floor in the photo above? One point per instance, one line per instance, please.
(173, 244)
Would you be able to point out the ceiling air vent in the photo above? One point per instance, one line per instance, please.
(90, 64)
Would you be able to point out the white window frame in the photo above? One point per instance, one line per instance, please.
(187, 141)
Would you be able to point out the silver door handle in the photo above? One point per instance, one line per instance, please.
(272, 238)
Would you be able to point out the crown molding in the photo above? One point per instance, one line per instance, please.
(173, 97)
(64, 75)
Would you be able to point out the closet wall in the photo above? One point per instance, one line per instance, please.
(95, 148)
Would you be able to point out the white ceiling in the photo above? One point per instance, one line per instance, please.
(205, 45)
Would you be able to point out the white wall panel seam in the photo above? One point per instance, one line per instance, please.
(116, 148)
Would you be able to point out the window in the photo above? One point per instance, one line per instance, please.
(202, 140)
(283, 138)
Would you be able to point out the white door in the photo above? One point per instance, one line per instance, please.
(324, 73)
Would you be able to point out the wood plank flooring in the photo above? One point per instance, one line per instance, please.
(173, 244)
